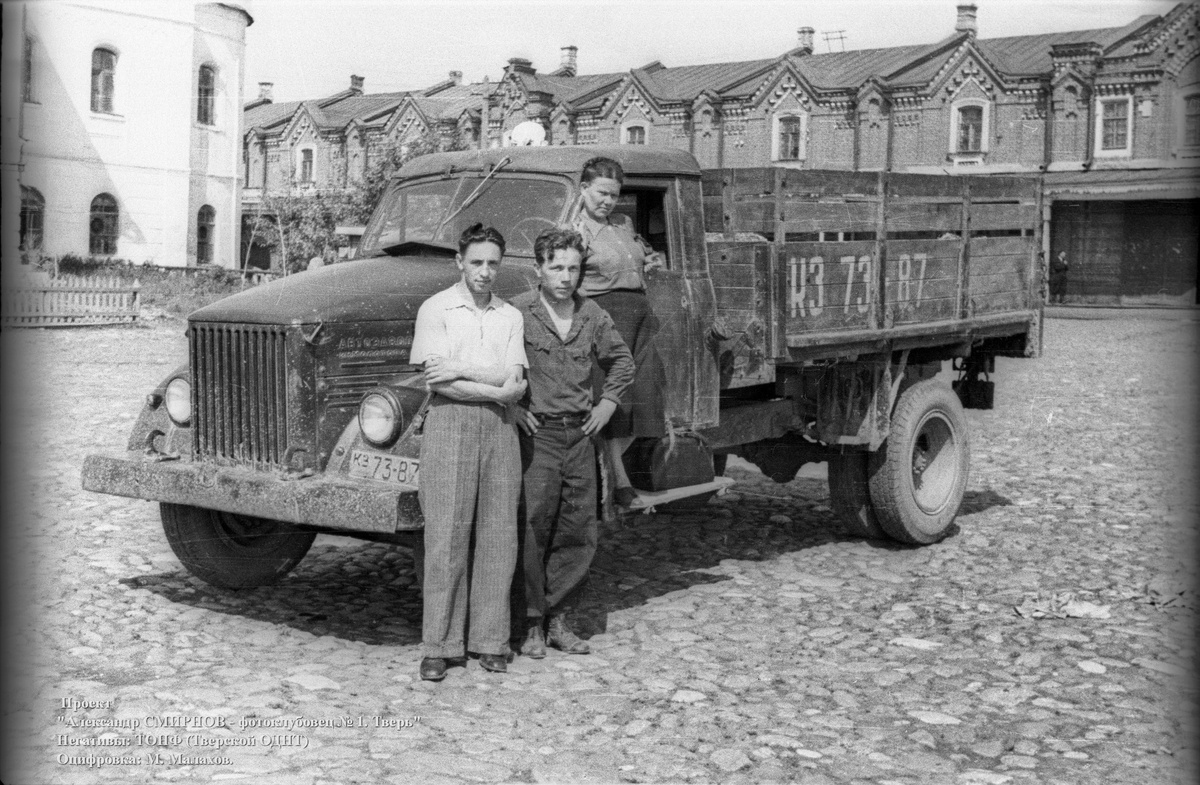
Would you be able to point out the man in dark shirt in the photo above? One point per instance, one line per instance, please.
(565, 335)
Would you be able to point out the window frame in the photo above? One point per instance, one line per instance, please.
(206, 102)
(32, 221)
(1192, 145)
(1100, 151)
(101, 242)
(205, 233)
(311, 162)
(777, 136)
(985, 126)
(27, 93)
(627, 133)
(104, 91)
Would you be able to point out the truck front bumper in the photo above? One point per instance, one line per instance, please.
(334, 503)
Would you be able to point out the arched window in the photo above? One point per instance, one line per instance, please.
(205, 221)
(206, 96)
(33, 209)
(103, 226)
(104, 66)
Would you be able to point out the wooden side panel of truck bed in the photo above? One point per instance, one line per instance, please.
(812, 264)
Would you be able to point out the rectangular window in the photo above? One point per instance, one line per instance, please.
(789, 138)
(27, 72)
(306, 166)
(1191, 121)
(1114, 128)
(635, 134)
(970, 129)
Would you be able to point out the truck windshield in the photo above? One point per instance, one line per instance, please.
(519, 207)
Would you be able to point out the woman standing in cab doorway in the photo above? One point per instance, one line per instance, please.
(614, 275)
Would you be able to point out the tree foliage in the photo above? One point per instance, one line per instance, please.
(303, 225)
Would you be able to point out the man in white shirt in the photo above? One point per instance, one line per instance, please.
(471, 344)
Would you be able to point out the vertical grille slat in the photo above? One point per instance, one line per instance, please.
(239, 377)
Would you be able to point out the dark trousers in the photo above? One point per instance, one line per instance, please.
(558, 526)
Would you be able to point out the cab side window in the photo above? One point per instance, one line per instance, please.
(646, 207)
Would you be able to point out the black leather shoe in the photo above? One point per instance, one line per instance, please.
(560, 636)
(433, 668)
(496, 663)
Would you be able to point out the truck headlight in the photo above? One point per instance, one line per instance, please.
(178, 399)
(380, 418)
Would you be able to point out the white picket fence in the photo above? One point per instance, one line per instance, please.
(42, 301)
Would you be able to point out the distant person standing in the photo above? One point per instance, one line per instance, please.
(1058, 277)
(472, 345)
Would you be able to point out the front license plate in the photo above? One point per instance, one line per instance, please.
(388, 468)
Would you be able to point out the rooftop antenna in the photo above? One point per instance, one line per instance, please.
(835, 35)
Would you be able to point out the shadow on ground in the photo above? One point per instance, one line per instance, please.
(367, 592)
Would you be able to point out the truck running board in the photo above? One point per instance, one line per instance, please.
(647, 499)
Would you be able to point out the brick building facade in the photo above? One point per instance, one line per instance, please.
(1079, 107)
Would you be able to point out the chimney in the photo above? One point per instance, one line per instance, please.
(567, 65)
(966, 20)
(264, 91)
(520, 65)
(456, 77)
(804, 43)
(356, 83)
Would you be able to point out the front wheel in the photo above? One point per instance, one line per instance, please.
(919, 475)
(233, 551)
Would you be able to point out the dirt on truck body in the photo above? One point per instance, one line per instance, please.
(804, 317)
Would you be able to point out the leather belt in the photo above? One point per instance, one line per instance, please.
(562, 420)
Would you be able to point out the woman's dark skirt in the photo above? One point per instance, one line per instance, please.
(641, 410)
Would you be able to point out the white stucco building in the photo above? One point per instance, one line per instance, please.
(128, 128)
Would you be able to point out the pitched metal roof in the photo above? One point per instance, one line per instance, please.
(1030, 54)
(360, 106)
(266, 115)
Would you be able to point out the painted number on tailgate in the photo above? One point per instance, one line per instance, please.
(807, 276)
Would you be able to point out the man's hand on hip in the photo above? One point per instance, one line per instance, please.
(600, 415)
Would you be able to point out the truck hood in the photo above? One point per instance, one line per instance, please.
(378, 289)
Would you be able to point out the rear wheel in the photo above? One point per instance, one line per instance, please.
(919, 475)
(850, 495)
(233, 551)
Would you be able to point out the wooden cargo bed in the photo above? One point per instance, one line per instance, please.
(810, 264)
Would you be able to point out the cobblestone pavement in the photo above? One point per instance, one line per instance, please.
(750, 643)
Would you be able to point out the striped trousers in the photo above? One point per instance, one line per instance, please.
(470, 486)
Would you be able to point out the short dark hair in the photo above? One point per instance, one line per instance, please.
(602, 167)
(477, 233)
(553, 240)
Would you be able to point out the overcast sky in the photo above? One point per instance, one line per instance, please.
(309, 48)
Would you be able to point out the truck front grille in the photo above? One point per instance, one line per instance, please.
(239, 394)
